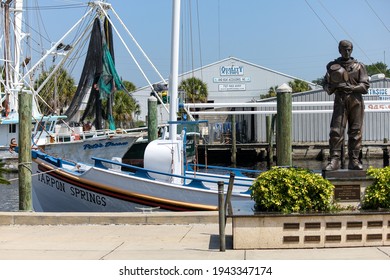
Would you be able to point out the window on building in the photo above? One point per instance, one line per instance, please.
(12, 128)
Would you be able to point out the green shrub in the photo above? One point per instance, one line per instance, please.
(292, 190)
(377, 195)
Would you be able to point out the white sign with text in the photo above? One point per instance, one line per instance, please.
(231, 87)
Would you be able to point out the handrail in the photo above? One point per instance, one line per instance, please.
(194, 181)
(274, 104)
(237, 171)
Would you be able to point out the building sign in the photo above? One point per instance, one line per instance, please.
(231, 79)
(379, 106)
(379, 91)
(231, 70)
(231, 87)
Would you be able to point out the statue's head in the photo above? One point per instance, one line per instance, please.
(345, 49)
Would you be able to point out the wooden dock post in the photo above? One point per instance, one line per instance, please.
(386, 156)
(270, 121)
(25, 183)
(284, 126)
(152, 119)
(234, 142)
(221, 217)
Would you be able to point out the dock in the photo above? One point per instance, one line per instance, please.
(141, 236)
(258, 152)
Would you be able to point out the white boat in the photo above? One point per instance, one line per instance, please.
(110, 186)
(50, 133)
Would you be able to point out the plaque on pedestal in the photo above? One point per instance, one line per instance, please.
(350, 185)
(347, 192)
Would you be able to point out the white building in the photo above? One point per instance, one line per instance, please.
(230, 80)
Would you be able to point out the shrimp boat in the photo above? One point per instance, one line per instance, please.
(110, 186)
(50, 131)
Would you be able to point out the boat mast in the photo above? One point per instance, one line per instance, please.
(7, 53)
(174, 74)
(17, 49)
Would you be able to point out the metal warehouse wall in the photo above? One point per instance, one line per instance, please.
(314, 127)
(245, 86)
(376, 124)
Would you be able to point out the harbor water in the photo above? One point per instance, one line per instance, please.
(9, 194)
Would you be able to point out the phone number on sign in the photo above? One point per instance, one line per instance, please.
(378, 106)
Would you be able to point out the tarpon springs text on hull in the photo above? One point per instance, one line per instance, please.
(76, 192)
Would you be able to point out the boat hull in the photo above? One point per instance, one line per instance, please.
(84, 150)
(56, 189)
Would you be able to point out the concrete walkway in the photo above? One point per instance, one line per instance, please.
(141, 236)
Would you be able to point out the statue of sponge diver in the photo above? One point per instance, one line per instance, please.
(347, 79)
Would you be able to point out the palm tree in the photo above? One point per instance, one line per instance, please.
(271, 93)
(57, 92)
(125, 106)
(299, 86)
(378, 67)
(195, 90)
(319, 81)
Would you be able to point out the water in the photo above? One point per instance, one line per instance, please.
(9, 194)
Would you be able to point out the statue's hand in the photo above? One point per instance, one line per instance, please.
(329, 89)
(346, 88)
(359, 89)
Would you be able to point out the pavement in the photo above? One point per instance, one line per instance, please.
(142, 236)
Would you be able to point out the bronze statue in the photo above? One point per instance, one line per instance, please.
(348, 80)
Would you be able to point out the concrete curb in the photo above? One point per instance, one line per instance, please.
(129, 218)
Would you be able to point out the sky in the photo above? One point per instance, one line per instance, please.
(295, 37)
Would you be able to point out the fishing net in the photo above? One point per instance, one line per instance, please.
(99, 79)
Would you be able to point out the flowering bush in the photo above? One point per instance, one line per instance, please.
(377, 195)
(292, 190)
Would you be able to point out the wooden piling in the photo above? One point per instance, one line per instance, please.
(152, 118)
(234, 142)
(221, 217)
(284, 126)
(25, 125)
(270, 120)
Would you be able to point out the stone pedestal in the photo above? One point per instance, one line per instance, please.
(350, 185)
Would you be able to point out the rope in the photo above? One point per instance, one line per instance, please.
(345, 31)
(323, 23)
(372, 9)
(23, 164)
